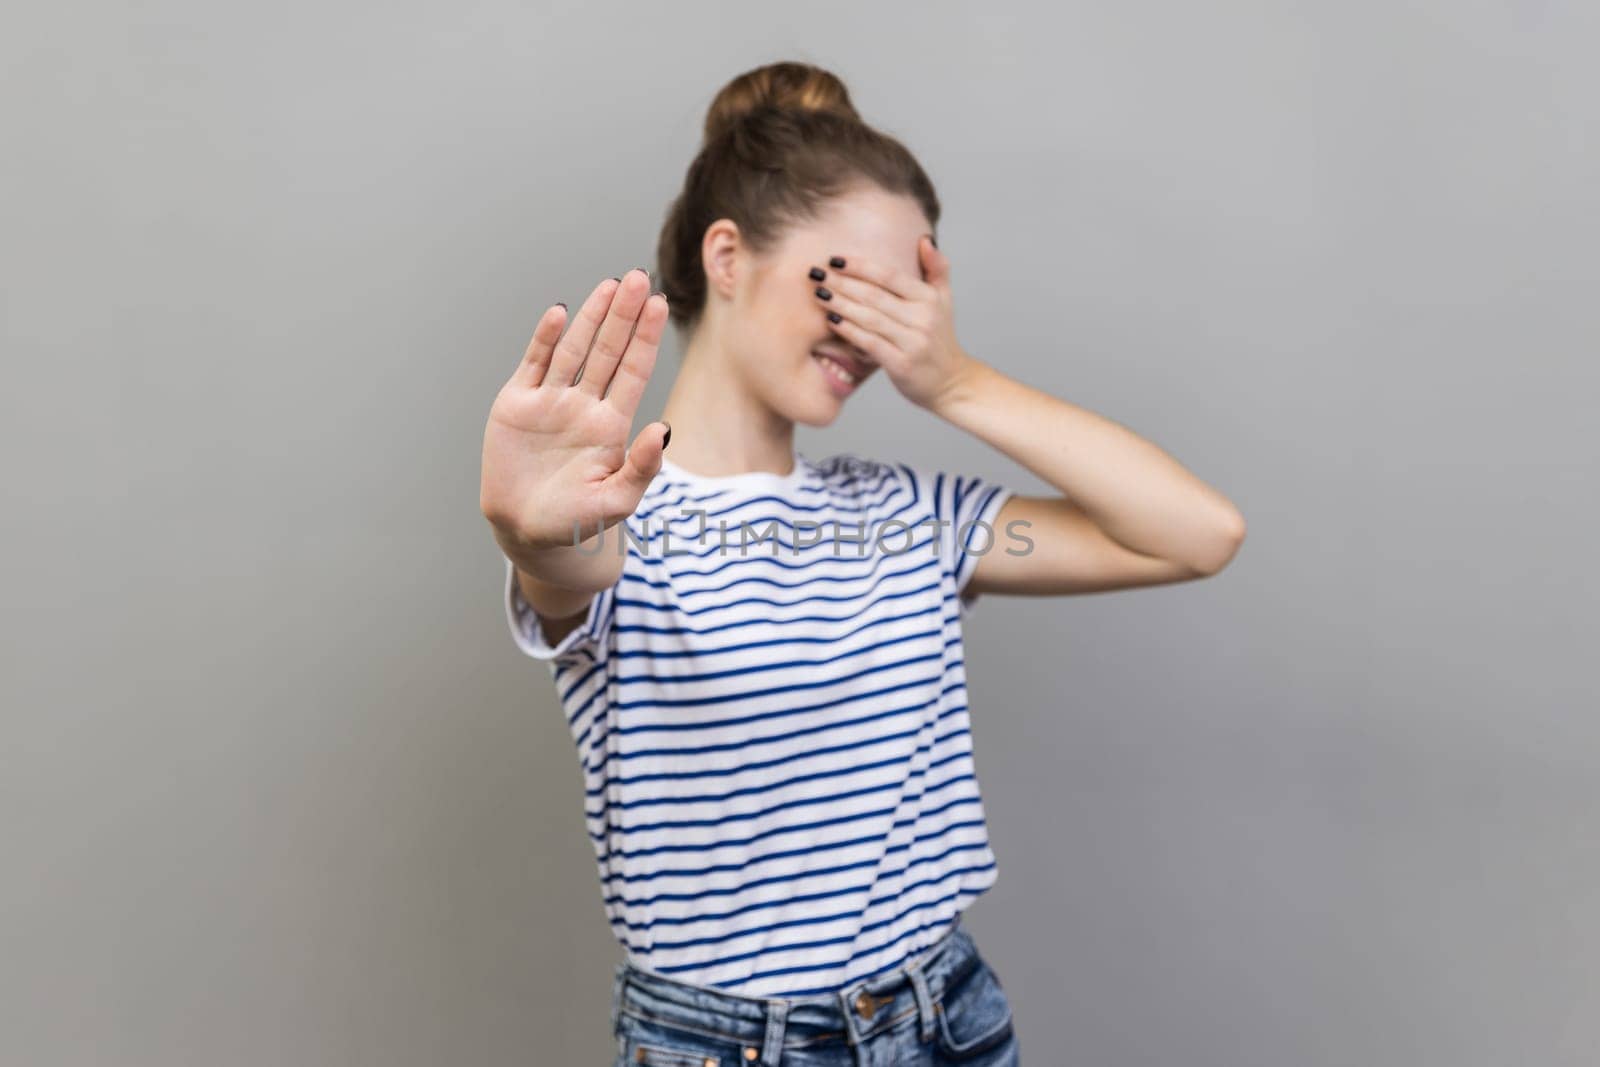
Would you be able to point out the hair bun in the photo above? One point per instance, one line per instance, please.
(777, 85)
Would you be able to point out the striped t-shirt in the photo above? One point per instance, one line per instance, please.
(770, 712)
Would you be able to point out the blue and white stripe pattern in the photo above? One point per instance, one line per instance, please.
(778, 768)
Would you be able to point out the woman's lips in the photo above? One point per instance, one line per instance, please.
(858, 368)
(842, 371)
(839, 379)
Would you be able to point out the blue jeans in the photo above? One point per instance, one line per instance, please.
(944, 1006)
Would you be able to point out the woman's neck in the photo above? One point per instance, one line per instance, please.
(719, 425)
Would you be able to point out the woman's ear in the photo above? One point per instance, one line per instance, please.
(719, 255)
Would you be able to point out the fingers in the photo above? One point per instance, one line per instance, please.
(642, 464)
(530, 372)
(569, 354)
(597, 342)
(639, 360)
(867, 317)
(905, 286)
(841, 287)
(612, 338)
(876, 346)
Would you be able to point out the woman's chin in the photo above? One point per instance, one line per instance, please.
(808, 404)
(817, 414)
(814, 409)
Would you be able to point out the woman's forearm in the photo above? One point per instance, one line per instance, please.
(1133, 490)
(558, 582)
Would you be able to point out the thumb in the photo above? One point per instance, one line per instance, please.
(935, 264)
(643, 461)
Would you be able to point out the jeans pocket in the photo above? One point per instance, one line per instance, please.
(974, 1015)
(642, 1043)
(638, 1052)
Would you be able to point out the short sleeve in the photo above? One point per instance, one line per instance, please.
(967, 507)
(585, 643)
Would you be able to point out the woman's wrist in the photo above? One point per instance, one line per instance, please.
(589, 567)
(962, 388)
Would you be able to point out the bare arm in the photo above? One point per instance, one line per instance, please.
(561, 607)
(1128, 513)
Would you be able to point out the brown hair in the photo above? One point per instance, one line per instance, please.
(780, 140)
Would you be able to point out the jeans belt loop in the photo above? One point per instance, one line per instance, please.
(777, 1020)
(847, 1008)
(919, 989)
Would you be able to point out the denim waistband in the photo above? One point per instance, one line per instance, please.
(769, 1024)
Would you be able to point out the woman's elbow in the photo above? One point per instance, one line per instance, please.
(1218, 547)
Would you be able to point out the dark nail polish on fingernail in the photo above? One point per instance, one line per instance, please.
(836, 262)
(824, 293)
(560, 304)
(834, 316)
(616, 279)
(817, 274)
(667, 438)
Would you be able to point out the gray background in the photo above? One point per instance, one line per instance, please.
(276, 788)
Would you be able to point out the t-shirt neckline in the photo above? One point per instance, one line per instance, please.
(744, 480)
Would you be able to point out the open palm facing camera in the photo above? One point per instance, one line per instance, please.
(557, 465)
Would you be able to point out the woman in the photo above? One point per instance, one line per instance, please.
(761, 663)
